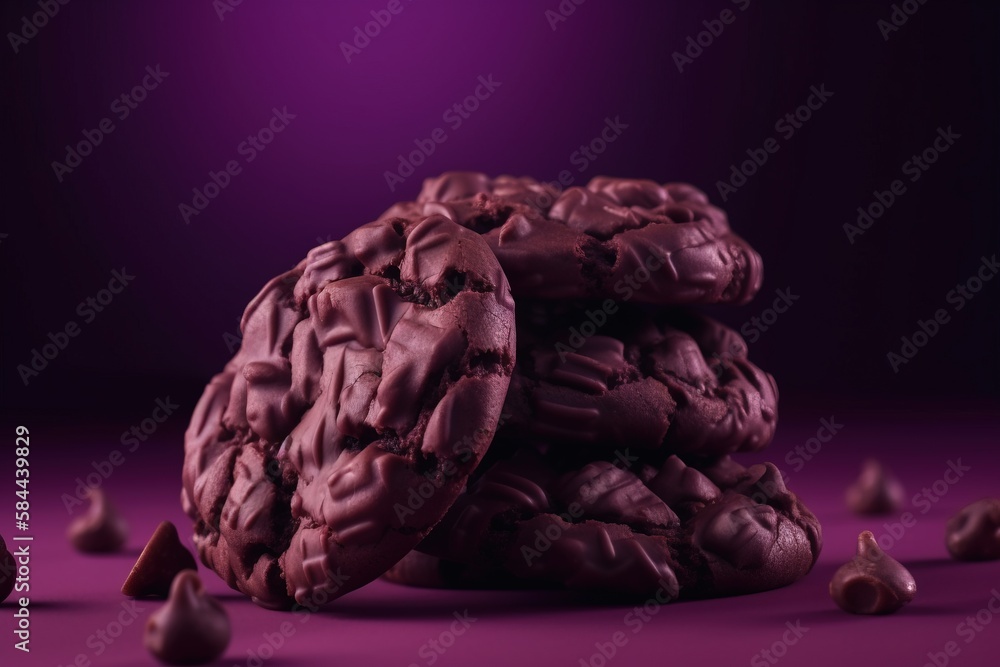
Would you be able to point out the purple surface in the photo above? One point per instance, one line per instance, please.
(324, 174)
(74, 596)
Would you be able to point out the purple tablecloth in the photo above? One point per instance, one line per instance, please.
(77, 613)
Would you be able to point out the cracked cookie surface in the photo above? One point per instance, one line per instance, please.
(368, 385)
(646, 531)
(673, 382)
(615, 238)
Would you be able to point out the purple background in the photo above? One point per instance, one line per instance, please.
(166, 333)
(323, 175)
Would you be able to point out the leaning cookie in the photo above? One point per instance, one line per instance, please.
(616, 238)
(673, 382)
(666, 532)
(368, 385)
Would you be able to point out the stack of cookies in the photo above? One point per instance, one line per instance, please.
(500, 385)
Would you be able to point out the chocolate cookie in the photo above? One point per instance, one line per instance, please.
(368, 385)
(616, 238)
(672, 381)
(664, 531)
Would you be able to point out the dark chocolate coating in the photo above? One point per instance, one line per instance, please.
(758, 536)
(192, 628)
(674, 381)
(598, 241)
(8, 571)
(160, 561)
(876, 491)
(601, 528)
(368, 385)
(873, 582)
(974, 532)
(101, 529)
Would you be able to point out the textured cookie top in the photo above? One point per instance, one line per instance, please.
(614, 238)
(369, 383)
(624, 527)
(672, 381)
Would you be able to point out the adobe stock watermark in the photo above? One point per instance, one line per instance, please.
(597, 317)
(957, 297)
(582, 158)
(223, 7)
(898, 16)
(587, 153)
(802, 454)
(454, 117)
(914, 168)
(971, 627)
(929, 496)
(759, 324)
(696, 44)
(248, 149)
(419, 495)
(552, 533)
(233, 339)
(562, 12)
(106, 636)
(87, 310)
(752, 329)
(635, 620)
(364, 34)
(779, 648)
(272, 642)
(32, 23)
(131, 439)
(435, 647)
(122, 107)
(786, 127)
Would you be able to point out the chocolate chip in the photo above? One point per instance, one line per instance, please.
(162, 558)
(101, 529)
(873, 583)
(605, 492)
(8, 571)
(192, 628)
(682, 487)
(876, 491)
(974, 532)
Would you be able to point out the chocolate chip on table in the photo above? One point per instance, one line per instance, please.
(160, 561)
(974, 532)
(876, 491)
(8, 571)
(192, 628)
(873, 582)
(101, 529)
